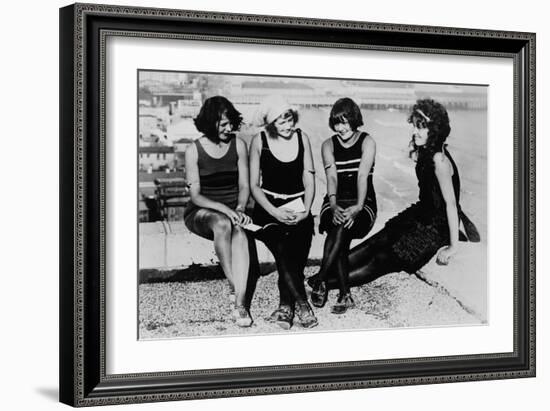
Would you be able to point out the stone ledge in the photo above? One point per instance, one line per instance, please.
(465, 278)
(170, 245)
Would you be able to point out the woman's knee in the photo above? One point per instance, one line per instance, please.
(238, 236)
(220, 224)
(239, 232)
(340, 229)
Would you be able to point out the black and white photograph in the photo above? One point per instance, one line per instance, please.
(276, 205)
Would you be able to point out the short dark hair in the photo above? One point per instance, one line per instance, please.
(211, 113)
(432, 115)
(272, 130)
(345, 109)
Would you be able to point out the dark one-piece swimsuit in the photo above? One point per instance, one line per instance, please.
(347, 160)
(219, 180)
(282, 182)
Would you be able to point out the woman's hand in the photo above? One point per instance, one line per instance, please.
(445, 254)
(232, 215)
(244, 219)
(338, 216)
(299, 217)
(284, 215)
(350, 213)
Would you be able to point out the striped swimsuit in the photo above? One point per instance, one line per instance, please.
(347, 160)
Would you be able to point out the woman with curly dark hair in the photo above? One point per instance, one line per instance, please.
(431, 225)
(217, 174)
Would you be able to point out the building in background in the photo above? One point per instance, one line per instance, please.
(155, 158)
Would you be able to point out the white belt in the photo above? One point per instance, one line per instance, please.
(283, 196)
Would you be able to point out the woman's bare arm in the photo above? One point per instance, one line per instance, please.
(308, 177)
(367, 160)
(443, 172)
(244, 186)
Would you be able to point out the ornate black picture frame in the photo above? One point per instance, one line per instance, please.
(83, 31)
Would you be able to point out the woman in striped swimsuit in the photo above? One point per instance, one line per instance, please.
(217, 173)
(349, 208)
(281, 171)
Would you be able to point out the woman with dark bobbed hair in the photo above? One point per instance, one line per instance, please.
(428, 227)
(217, 173)
(349, 207)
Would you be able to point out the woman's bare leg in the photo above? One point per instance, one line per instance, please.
(221, 229)
(240, 263)
(231, 247)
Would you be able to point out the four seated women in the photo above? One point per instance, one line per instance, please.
(282, 183)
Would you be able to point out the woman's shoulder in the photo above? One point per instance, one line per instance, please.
(256, 137)
(439, 158)
(441, 163)
(301, 133)
(200, 142)
(241, 145)
(328, 144)
(368, 141)
(191, 152)
(240, 142)
(256, 142)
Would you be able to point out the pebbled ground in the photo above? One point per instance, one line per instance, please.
(203, 308)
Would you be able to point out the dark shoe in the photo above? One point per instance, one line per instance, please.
(311, 281)
(282, 316)
(344, 303)
(319, 294)
(285, 317)
(305, 315)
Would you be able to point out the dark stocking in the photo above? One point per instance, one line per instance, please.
(290, 252)
(335, 256)
(291, 285)
(370, 260)
(253, 271)
(342, 268)
(381, 263)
